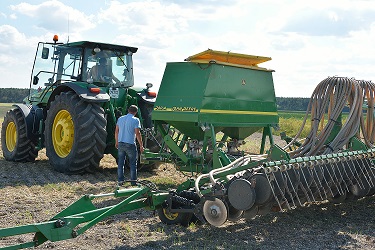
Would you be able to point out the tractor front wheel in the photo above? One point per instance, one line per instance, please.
(75, 134)
(14, 141)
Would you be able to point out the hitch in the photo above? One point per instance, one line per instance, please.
(64, 225)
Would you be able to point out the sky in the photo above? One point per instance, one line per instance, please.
(308, 41)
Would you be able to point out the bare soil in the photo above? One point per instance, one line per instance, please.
(34, 192)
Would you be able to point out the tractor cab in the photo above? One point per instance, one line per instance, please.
(99, 64)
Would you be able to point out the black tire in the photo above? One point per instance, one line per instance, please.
(14, 142)
(75, 134)
(174, 218)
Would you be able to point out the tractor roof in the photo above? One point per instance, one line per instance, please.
(105, 46)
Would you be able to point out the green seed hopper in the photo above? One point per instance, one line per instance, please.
(206, 107)
(237, 99)
(213, 92)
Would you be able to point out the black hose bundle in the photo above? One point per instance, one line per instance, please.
(367, 123)
(327, 102)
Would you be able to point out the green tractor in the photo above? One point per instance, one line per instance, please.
(77, 92)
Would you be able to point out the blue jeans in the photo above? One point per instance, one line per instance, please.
(130, 150)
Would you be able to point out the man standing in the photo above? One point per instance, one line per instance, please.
(127, 129)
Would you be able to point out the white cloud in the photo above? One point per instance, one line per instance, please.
(145, 19)
(324, 18)
(16, 56)
(308, 41)
(171, 31)
(9, 37)
(163, 31)
(54, 16)
(288, 42)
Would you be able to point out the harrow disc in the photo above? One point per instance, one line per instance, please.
(262, 189)
(371, 192)
(339, 198)
(241, 194)
(251, 213)
(264, 209)
(361, 188)
(215, 212)
(234, 214)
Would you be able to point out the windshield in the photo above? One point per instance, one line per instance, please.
(109, 67)
(54, 64)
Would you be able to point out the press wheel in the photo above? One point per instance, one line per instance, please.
(174, 218)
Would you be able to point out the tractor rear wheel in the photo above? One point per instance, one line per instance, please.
(75, 134)
(14, 142)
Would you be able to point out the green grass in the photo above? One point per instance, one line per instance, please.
(291, 122)
(292, 114)
(292, 125)
(163, 182)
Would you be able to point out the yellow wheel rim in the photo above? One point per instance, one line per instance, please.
(63, 133)
(11, 136)
(170, 216)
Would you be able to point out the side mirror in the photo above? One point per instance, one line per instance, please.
(149, 85)
(45, 53)
(35, 80)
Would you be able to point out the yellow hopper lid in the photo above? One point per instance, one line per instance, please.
(230, 58)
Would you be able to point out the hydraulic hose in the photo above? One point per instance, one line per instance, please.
(327, 102)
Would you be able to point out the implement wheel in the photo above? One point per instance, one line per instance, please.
(75, 134)
(174, 218)
(15, 144)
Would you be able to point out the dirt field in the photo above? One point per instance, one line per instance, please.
(33, 192)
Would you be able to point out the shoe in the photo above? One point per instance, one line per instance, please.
(136, 185)
(120, 184)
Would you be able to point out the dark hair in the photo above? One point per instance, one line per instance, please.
(133, 109)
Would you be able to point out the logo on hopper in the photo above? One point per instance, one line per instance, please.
(160, 108)
(184, 109)
(179, 109)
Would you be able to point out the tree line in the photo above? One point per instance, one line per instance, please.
(292, 103)
(13, 95)
(16, 95)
